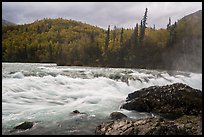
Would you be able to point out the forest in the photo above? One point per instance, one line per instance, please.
(70, 42)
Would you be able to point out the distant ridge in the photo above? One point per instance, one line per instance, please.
(7, 23)
(195, 15)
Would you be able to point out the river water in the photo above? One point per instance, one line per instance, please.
(47, 94)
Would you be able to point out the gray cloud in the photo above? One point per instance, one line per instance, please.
(102, 14)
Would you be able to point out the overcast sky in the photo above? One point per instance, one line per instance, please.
(102, 14)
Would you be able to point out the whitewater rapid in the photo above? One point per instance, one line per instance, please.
(47, 94)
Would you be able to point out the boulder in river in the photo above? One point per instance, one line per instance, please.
(76, 112)
(117, 115)
(170, 101)
(23, 126)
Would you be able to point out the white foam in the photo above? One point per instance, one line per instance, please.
(18, 75)
(49, 97)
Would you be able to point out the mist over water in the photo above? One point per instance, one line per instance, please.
(47, 94)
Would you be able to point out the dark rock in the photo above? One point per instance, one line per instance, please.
(147, 126)
(193, 123)
(25, 125)
(117, 115)
(79, 115)
(76, 112)
(170, 101)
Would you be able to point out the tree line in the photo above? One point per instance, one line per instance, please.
(69, 42)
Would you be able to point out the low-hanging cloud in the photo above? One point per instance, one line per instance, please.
(102, 14)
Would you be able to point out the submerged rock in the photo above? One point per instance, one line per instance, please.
(117, 115)
(170, 101)
(77, 112)
(23, 126)
(147, 126)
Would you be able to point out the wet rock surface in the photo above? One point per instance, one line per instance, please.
(178, 110)
(170, 101)
(23, 126)
(76, 112)
(193, 123)
(117, 115)
(147, 126)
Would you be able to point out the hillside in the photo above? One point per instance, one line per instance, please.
(193, 16)
(42, 40)
(186, 52)
(7, 23)
(69, 42)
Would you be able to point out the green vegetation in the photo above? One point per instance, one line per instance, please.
(69, 42)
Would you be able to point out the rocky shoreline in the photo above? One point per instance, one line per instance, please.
(176, 109)
(170, 101)
(186, 125)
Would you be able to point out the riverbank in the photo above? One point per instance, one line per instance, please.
(176, 110)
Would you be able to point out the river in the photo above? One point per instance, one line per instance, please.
(47, 94)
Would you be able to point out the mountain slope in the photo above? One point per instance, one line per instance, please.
(186, 53)
(7, 23)
(193, 16)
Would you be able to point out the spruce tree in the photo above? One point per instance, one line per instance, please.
(121, 38)
(169, 24)
(136, 35)
(144, 26)
(141, 34)
(107, 38)
(114, 36)
(171, 29)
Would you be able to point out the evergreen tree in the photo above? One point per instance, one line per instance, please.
(60, 57)
(141, 34)
(145, 20)
(169, 24)
(25, 53)
(121, 37)
(143, 26)
(10, 52)
(171, 29)
(114, 36)
(50, 51)
(173, 33)
(136, 35)
(107, 38)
